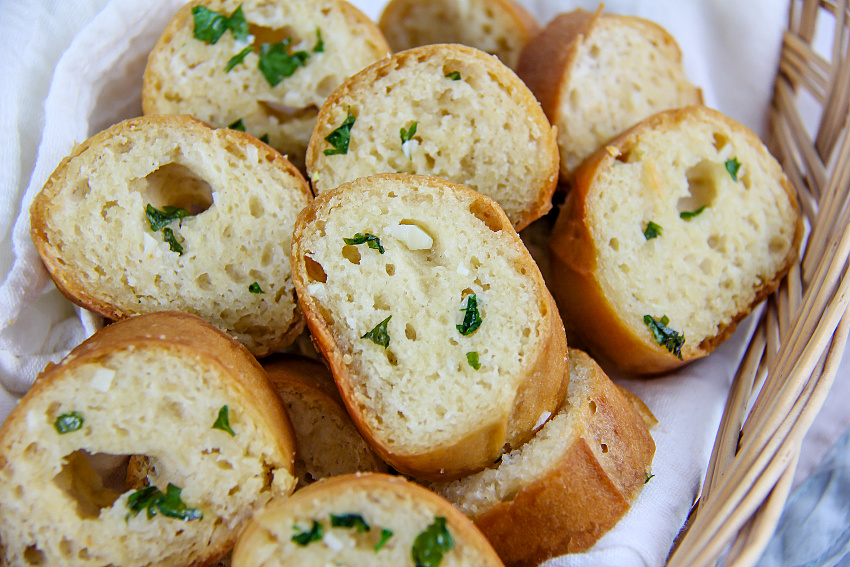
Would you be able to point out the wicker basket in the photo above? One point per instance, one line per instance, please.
(793, 357)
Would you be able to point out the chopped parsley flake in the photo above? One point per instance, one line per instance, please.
(407, 135)
(472, 359)
(276, 63)
(211, 25)
(341, 137)
(168, 504)
(173, 244)
(430, 545)
(379, 334)
(454, 75)
(355, 521)
(385, 536)
(238, 25)
(472, 319)
(370, 240)
(264, 138)
(652, 230)
(159, 219)
(732, 166)
(664, 335)
(238, 125)
(305, 537)
(255, 288)
(688, 215)
(223, 421)
(320, 43)
(649, 476)
(68, 422)
(237, 59)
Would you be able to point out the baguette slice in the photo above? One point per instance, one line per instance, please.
(186, 75)
(616, 282)
(152, 386)
(387, 314)
(90, 227)
(499, 27)
(484, 130)
(328, 443)
(386, 521)
(598, 74)
(570, 484)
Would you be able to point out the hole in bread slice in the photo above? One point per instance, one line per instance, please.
(314, 270)
(703, 179)
(485, 212)
(92, 481)
(350, 253)
(271, 35)
(285, 113)
(175, 185)
(34, 556)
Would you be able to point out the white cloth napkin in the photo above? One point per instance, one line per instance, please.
(70, 72)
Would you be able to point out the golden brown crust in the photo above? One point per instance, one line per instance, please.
(298, 369)
(191, 334)
(582, 496)
(544, 58)
(67, 277)
(333, 111)
(542, 389)
(593, 321)
(325, 492)
(312, 381)
(397, 13)
(548, 61)
(190, 337)
(185, 75)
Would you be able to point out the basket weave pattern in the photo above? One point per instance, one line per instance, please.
(794, 354)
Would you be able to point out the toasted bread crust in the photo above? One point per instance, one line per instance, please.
(384, 502)
(499, 27)
(552, 65)
(328, 443)
(537, 386)
(605, 325)
(414, 86)
(222, 366)
(185, 75)
(95, 181)
(565, 501)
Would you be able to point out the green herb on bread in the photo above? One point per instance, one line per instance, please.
(222, 422)
(732, 166)
(688, 215)
(472, 318)
(664, 335)
(431, 545)
(340, 137)
(304, 537)
(277, 63)
(652, 230)
(168, 504)
(68, 422)
(210, 25)
(379, 335)
(370, 240)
